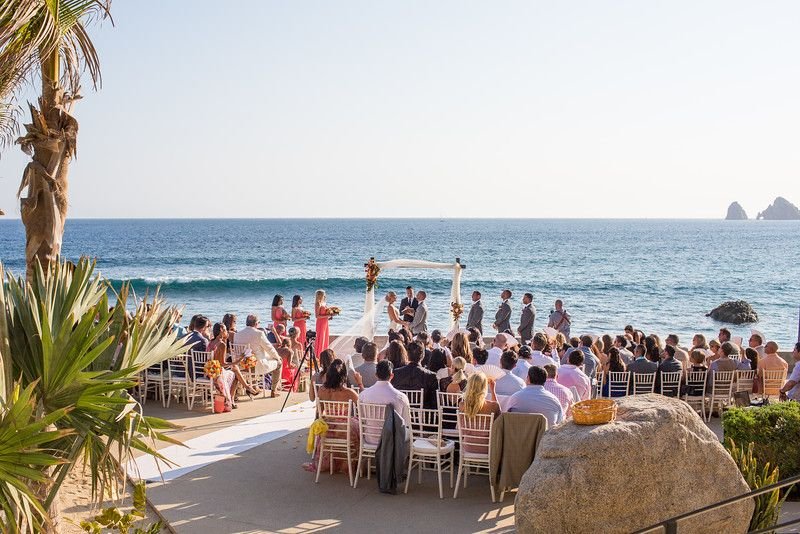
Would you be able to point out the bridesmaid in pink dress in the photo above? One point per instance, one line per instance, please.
(299, 319)
(323, 317)
(279, 313)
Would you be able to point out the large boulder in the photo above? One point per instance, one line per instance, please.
(656, 461)
(780, 210)
(735, 312)
(736, 213)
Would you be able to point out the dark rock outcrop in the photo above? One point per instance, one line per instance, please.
(736, 213)
(735, 312)
(780, 210)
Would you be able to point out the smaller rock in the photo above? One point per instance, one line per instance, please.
(734, 312)
(736, 213)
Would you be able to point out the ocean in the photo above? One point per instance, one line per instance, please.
(661, 276)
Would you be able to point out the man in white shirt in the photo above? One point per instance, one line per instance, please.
(680, 354)
(621, 343)
(383, 392)
(791, 389)
(268, 360)
(571, 374)
(523, 363)
(509, 383)
(535, 399)
(499, 345)
(537, 357)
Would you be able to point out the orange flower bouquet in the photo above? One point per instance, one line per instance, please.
(212, 369)
(248, 362)
(372, 270)
(334, 310)
(456, 310)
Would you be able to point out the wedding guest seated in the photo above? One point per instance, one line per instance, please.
(461, 347)
(479, 398)
(438, 364)
(771, 362)
(480, 356)
(535, 399)
(414, 376)
(325, 359)
(523, 363)
(198, 337)
(457, 381)
(268, 360)
(356, 359)
(499, 345)
(590, 361)
(715, 348)
(538, 344)
(509, 383)
(368, 369)
(571, 375)
(640, 363)
(439, 342)
(699, 343)
(621, 344)
(752, 355)
(697, 359)
(613, 365)
(668, 365)
(562, 393)
(475, 338)
(791, 389)
(226, 381)
(276, 334)
(383, 392)
(680, 355)
(729, 359)
(397, 354)
(423, 338)
(229, 320)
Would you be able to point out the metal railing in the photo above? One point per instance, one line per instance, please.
(671, 525)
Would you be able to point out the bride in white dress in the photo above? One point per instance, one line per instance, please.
(395, 323)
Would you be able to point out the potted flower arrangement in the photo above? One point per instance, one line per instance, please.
(456, 310)
(372, 270)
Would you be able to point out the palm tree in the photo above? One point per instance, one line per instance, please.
(46, 40)
(79, 358)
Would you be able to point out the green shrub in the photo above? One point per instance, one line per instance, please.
(773, 430)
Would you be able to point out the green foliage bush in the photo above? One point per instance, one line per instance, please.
(774, 431)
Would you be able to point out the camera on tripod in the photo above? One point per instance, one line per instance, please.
(310, 335)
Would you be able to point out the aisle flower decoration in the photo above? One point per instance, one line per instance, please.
(212, 369)
(335, 310)
(248, 362)
(372, 270)
(456, 310)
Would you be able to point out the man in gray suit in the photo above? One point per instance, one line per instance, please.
(420, 322)
(475, 318)
(527, 318)
(502, 319)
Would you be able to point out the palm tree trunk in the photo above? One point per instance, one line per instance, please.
(50, 141)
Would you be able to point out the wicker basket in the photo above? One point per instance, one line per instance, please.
(594, 412)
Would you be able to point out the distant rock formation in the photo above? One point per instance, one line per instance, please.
(2, 213)
(736, 213)
(735, 312)
(780, 210)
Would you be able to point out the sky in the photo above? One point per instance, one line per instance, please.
(259, 108)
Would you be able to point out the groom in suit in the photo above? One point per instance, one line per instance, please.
(419, 323)
(475, 319)
(408, 305)
(502, 319)
(527, 318)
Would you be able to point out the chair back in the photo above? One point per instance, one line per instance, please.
(670, 383)
(475, 433)
(414, 397)
(618, 383)
(238, 349)
(745, 380)
(722, 383)
(176, 365)
(426, 424)
(337, 416)
(448, 409)
(643, 383)
(370, 422)
(599, 380)
(198, 361)
(696, 384)
(773, 381)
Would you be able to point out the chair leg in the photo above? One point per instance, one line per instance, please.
(491, 489)
(190, 398)
(452, 459)
(369, 467)
(350, 464)
(163, 399)
(458, 479)
(358, 470)
(319, 460)
(408, 477)
(439, 474)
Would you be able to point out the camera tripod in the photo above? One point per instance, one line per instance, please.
(313, 365)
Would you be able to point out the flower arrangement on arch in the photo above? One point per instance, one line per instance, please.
(372, 269)
(212, 369)
(456, 310)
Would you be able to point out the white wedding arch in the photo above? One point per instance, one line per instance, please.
(365, 326)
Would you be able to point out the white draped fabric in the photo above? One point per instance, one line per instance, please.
(365, 326)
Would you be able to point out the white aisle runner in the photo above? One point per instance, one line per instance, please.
(222, 444)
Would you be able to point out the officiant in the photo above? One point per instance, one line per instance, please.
(409, 305)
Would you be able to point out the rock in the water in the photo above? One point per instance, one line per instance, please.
(656, 461)
(735, 312)
(736, 213)
(780, 210)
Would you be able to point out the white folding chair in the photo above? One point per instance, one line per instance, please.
(670, 384)
(415, 397)
(237, 350)
(475, 434)
(745, 380)
(618, 383)
(336, 441)
(370, 427)
(773, 380)
(255, 379)
(448, 413)
(154, 380)
(202, 386)
(721, 390)
(643, 383)
(695, 392)
(177, 378)
(428, 446)
(599, 380)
